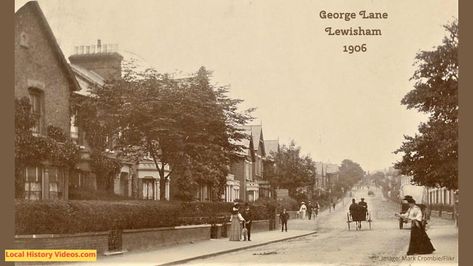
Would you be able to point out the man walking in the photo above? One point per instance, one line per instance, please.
(309, 210)
(248, 216)
(284, 216)
(316, 208)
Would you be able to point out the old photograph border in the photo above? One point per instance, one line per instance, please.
(7, 227)
(7, 220)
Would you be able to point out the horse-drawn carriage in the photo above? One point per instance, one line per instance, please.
(357, 216)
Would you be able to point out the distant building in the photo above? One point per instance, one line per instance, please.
(242, 170)
(43, 75)
(326, 175)
(259, 187)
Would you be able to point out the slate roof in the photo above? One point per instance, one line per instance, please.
(256, 132)
(86, 79)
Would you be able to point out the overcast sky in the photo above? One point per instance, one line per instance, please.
(277, 57)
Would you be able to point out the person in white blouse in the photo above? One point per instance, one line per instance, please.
(302, 210)
(419, 242)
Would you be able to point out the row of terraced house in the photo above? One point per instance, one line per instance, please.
(43, 74)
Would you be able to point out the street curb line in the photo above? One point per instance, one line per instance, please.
(231, 250)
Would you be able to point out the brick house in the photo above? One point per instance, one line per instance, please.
(242, 168)
(43, 75)
(258, 187)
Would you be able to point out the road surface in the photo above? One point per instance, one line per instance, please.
(334, 244)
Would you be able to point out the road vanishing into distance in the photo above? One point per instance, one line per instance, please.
(334, 244)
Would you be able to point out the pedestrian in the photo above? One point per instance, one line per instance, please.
(316, 208)
(302, 210)
(419, 242)
(309, 210)
(248, 216)
(363, 204)
(353, 207)
(333, 204)
(355, 210)
(283, 217)
(235, 226)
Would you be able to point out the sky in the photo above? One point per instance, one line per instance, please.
(277, 57)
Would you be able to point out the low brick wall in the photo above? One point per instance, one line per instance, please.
(135, 239)
(160, 237)
(131, 239)
(98, 241)
(260, 226)
(256, 226)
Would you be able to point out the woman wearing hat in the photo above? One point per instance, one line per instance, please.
(235, 226)
(419, 242)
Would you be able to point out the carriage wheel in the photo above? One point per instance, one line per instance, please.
(369, 219)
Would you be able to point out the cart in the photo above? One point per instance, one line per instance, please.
(357, 217)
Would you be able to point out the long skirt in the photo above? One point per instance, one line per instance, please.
(235, 229)
(420, 241)
(302, 214)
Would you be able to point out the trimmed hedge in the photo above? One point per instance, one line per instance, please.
(78, 216)
(84, 194)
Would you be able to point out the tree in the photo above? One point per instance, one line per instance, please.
(186, 124)
(349, 173)
(431, 156)
(294, 170)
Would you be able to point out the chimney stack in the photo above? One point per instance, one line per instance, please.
(102, 59)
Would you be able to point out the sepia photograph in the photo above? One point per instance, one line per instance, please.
(236, 132)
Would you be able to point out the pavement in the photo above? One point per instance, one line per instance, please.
(444, 236)
(179, 254)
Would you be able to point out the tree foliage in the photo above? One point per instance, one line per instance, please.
(293, 170)
(349, 174)
(97, 135)
(431, 156)
(188, 124)
(55, 148)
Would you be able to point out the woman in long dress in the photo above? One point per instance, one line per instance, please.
(302, 210)
(420, 241)
(235, 226)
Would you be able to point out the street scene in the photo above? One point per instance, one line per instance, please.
(334, 244)
(236, 133)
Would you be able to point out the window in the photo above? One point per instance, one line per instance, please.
(148, 188)
(55, 176)
(33, 183)
(36, 101)
(74, 130)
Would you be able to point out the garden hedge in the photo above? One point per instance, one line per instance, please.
(78, 216)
